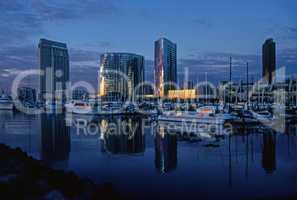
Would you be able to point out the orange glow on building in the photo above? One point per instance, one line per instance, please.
(102, 88)
(182, 94)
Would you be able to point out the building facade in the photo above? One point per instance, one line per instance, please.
(269, 61)
(121, 76)
(54, 65)
(165, 66)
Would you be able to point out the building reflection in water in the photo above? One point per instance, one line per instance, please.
(122, 136)
(55, 139)
(269, 152)
(165, 151)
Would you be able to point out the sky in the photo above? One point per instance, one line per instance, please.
(206, 34)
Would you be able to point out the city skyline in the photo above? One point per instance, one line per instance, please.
(159, 99)
(206, 33)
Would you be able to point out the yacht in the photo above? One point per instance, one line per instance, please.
(205, 122)
(263, 116)
(206, 111)
(5, 102)
(69, 106)
(80, 107)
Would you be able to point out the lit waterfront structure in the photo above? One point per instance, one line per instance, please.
(269, 60)
(165, 66)
(182, 94)
(120, 76)
(54, 64)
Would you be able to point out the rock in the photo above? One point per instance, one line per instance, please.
(23, 177)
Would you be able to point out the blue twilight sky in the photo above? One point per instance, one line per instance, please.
(206, 33)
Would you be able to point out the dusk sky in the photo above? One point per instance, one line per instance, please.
(206, 33)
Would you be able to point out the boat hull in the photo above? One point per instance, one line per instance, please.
(6, 106)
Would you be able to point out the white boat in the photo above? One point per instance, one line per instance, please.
(263, 116)
(69, 106)
(81, 107)
(205, 122)
(193, 117)
(5, 103)
(206, 111)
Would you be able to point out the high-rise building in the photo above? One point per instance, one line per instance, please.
(121, 76)
(165, 66)
(54, 64)
(269, 60)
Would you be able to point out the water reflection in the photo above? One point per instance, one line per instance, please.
(236, 166)
(268, 153)
(55, 140)
(165, 151)
(122, 136)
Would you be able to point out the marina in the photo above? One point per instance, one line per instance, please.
(148, 100)
(230, 163)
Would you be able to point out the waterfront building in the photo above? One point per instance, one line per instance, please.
(269, 60)
(165, 66)
(182, 94)
(54, 65)
(121, 76)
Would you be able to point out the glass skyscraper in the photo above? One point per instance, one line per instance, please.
(54, 64)
(268, 59)
(165, 66)
(120, 74)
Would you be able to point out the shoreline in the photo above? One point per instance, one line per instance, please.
(23, 177)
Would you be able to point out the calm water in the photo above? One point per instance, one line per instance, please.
(151, 165)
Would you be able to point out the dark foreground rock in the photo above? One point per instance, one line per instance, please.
(22, 177)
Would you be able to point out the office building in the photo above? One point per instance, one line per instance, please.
(54, 64)
(165, 67)
(120, 76)
(269, 61)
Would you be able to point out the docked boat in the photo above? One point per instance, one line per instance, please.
(263, 116)
(81, 107)
(193, 117)
(6, 102)
(205, 122)
(69, 106)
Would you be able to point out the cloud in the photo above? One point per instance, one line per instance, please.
(22, 57)
(284, 33)
(20, 20)
(80, 55)
(216, 60)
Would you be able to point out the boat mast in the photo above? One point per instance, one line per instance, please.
(247, 85)
(230, 79)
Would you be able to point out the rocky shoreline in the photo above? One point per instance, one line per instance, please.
(23, 177)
